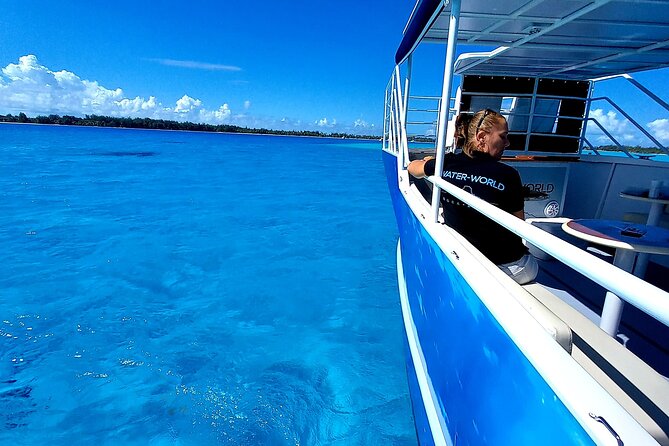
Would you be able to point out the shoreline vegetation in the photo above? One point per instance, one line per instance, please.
(162, 124)
(632, 149)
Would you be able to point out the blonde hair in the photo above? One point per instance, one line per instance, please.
(482, 120)
(461, 126)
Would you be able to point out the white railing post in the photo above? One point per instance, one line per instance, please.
(407, 86)
(445, 105)
(393, 124)
(385, 120)
(396, 123)
(393, 114)
(584, 126)
(404, 145)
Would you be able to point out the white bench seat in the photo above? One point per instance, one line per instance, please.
(642, 391)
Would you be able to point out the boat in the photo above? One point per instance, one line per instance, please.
(580, 355)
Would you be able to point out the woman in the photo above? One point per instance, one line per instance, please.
(477, 169)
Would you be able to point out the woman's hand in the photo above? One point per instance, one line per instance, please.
(416, 168)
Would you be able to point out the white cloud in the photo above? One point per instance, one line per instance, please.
(622, 130)
(195, 65)
(217, 116)
(28, 70)
(34, 89)
(660, 130)
(137, 105)
(187, 104)
(324, 122)
(360, 123)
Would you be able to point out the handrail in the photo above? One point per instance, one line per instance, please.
(639, 127)
(396, 123)
(589, 101)
(385, 121)
(634, 123)
(610, 136)
(639, 86)
(444, 109)
(645, 90)
(591, 147)
(413, 115)
(521, 95)
(648, 298)
(425, 98)
(404, 144)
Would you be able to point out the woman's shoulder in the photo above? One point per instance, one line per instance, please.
(457, 157)
(510, 172)
(508, 168)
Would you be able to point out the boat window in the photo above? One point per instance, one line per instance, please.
(544, 115)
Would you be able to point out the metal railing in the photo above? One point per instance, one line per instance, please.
(646, 297)
(394, 122)
(420, 115)
(657, 101)
(628, 287)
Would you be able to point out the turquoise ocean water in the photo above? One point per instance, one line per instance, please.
(173, 288)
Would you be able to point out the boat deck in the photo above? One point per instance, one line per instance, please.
(640, 333)
(637, 387)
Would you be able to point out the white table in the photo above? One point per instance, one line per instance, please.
(649, 239)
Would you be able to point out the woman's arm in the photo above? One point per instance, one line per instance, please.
(417, 167)
(520, 214)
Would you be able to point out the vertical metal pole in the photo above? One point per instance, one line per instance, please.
(404, 147)
(385, 120)
(585, 121)
(445, 101)
(613, 305)
(452, 142)
(407, 85)
(393, 122)
(398, 126)
(530, 118)
(393, 134)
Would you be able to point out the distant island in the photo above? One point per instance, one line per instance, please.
(162, 124)
(632, 149)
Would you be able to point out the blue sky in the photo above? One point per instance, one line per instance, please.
(295, 64)
(304, 62)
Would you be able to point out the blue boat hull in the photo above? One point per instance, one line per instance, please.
(482, 387)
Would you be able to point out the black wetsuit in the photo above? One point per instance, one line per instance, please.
(494, 182)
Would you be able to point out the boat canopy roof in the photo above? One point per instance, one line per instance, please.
(569, 39)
